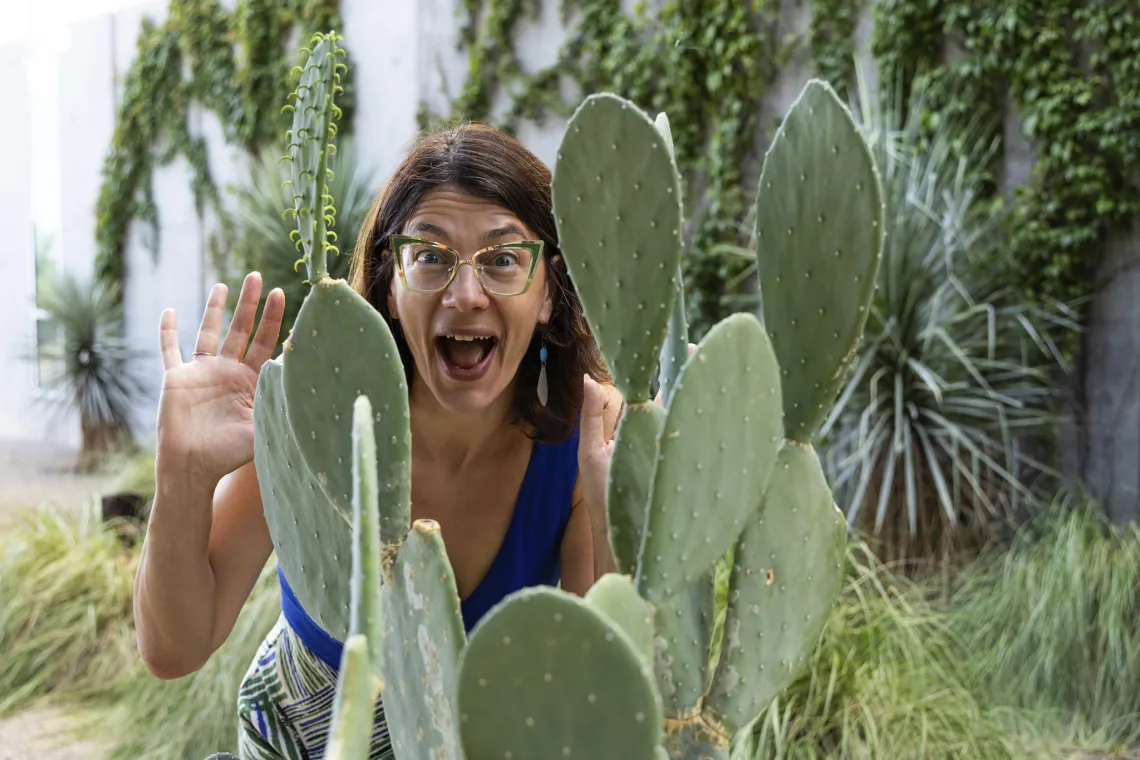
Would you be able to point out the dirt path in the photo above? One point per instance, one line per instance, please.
(35, 474)
(43, 734)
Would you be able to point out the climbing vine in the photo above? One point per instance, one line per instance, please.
(831, 40)
(238, 63)
(1070, 70)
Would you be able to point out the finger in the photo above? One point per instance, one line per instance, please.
(592, 433)
(237, 338)
(268, 331)
(168, 339)
(211, 328)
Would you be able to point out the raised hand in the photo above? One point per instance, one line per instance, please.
(205, 412)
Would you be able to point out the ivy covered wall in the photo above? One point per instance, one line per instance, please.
(1060, 78)
(1067, 70)
(237, 61)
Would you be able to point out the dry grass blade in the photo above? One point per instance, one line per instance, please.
(1054, 620)
(65, 608)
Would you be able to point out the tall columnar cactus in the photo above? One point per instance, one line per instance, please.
(723, 463)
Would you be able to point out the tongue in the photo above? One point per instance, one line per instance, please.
(464, 354)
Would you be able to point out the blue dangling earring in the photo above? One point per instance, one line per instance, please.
(543, 390)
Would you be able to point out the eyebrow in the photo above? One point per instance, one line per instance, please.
(507, 230)
(504, 231)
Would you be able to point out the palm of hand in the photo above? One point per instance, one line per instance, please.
(205, 413)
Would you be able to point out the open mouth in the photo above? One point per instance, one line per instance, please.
(466, 357)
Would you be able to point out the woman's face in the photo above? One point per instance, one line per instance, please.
(467, 375)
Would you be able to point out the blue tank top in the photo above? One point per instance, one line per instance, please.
(530, 554)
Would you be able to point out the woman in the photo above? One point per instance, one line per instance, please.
(516, 484)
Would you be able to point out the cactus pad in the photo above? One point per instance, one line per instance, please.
(350, 733)
(341, 348)
(787, 573)
(676, 348)
(366, 558)
(617, 204)
(630, 479)
(310, 145)
(683, 625)
(424, 636)
(614, 596)
(313, 541)
(547, 676)
(722, 432)
(819, 239)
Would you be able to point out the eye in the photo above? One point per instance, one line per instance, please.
(427, 256)
(505, 258)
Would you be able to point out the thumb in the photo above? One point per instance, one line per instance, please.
(593, 401)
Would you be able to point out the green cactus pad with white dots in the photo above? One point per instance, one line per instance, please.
(684, 628)
(630, 478)
(312, 540)
(310, 145)
(354, 705)
(364, 607)
(545, 675)
(617, 204)
(614, 596)
(787, 573)
(424, 636)
(819, 240)
(341, 348)
(722, 431)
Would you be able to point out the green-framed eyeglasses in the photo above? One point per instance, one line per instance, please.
(504, 269)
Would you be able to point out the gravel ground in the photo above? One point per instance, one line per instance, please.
(42, 734)
(34, 474)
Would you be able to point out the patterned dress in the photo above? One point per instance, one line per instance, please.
(286, 697)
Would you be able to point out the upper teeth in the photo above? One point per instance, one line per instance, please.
(468, 337)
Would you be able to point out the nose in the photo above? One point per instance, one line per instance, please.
(465, 292)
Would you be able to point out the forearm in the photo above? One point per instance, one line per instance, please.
(174, 586)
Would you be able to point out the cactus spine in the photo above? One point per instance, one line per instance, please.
(725, 463)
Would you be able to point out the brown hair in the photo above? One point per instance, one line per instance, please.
(489, 164)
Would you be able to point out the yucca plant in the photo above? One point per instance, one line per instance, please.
(261, 242)
(96, 374)
(925, 444)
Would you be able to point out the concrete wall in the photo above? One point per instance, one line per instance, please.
(18, 418)
(1103, 444)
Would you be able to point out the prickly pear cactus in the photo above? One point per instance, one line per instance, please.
(723, 463)
(360, 683)
(617, 204)
(730, 466)
(546, 675)
(819, 234)
(423, 639)
(339, 349)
